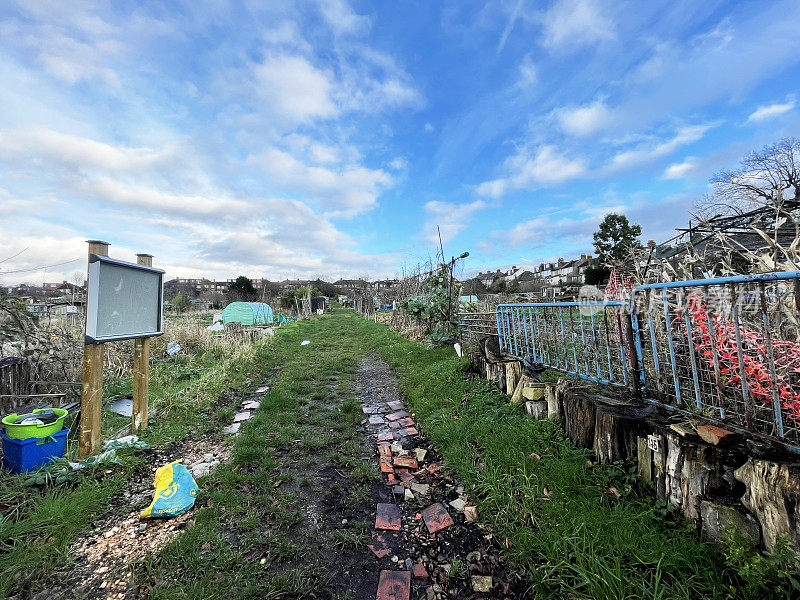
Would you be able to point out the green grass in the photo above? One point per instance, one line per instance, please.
(544, 499)
(569, 537)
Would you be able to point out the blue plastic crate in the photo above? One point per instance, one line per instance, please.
(21, 456)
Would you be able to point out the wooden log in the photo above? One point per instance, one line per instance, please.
(773, 496)
(644, 464)
(513, 374)
(579, 420)
(614, 437)
(552, 394)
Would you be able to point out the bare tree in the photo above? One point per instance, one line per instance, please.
(766, 178)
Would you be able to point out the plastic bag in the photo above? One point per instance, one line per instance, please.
(176, 491)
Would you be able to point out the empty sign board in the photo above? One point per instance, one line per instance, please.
(124, 300)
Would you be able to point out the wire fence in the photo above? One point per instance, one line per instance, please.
(725, 349)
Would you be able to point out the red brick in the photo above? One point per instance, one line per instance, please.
(397, 415)
(382, 543)
(394, 585)
(407, 422)
(376, 420)
(712, 434)
(384, 450)
(436, 517)
(385, 436)
(387, 516)
(386, 464)
(419, 571)
(405, 461)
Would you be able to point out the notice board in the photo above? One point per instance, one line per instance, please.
(124, 300)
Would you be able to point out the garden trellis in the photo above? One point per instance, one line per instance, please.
(725, 349)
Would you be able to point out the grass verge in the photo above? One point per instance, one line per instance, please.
(38, 524)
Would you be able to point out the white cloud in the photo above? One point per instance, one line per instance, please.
(398, 164)
(344, 193)
(527, 73)
(68, 149)
(584, 120)
(646, 152)
(572, 23)
(679, 170)
(546, 166)
(293, 88)
(764, 113)
(428, 128)
(341, 17)
(450, 218)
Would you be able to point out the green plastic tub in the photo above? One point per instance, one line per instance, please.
(15, 431)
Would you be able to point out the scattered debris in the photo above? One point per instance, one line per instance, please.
(173, 348)
(175, 492)
(122, 406)
(305, 342)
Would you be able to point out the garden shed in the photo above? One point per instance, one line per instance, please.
(247, 313)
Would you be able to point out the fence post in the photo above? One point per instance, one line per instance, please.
(633, 353)
(92, 385)
(141, 370)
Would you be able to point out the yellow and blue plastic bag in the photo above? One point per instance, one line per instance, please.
(176, 491)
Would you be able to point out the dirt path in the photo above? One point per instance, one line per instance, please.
(427, 538)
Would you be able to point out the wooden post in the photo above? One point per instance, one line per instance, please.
(141, 370)
(92, 387)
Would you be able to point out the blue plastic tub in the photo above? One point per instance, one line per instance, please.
(21, 456)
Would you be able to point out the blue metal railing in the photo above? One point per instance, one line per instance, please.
(725, 349)
(578, 338)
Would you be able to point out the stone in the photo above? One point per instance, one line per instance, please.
(420, 488)
(536, 409)
(471, 513)
(376, 420)
(395, 405)
(202, 470)
(262, 390)
(394, 585)
(242, 416)
(458, 504)
(711, 434)
(397, 448)
(232, 429)
(420, 454)
(251, 405)
(718, 517)
(534, 391)
(408, 495)
(482, 583)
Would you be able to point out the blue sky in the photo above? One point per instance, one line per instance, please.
(302, 139)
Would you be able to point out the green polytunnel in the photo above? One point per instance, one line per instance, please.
(247, 313)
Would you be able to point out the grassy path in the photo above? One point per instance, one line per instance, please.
(541, 495)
